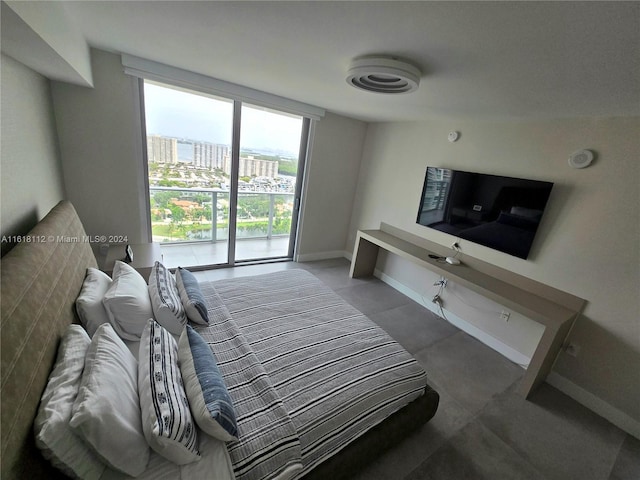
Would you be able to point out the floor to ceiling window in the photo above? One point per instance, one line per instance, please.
(224, 177)
(267, 178)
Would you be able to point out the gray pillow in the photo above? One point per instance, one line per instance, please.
(192, 297)
(209, 399)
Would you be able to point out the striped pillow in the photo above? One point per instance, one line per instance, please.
(191, 296)
(210, 402)
(166, 419)
(165, 299)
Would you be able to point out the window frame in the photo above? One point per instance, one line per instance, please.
(305, 141)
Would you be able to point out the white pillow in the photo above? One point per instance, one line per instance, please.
(127, 302)
(89, 303)
(165, 300)
(166, 418)
(54, 437)
(106, 412)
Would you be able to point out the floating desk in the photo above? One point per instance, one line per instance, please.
(554, 309)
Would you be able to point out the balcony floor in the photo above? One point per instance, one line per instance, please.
(207, 253)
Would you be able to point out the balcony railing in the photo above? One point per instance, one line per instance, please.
(202, 214)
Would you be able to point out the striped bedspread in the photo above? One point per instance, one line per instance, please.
(269, 445)
(332, 373)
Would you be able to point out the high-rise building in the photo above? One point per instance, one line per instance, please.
(252, 167)
(209, 155)
(162, 149)
(222, 152)
(202, 154)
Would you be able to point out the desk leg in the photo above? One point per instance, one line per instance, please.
(544, 357)
(365, 255)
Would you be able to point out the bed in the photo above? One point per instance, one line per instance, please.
(331, 415)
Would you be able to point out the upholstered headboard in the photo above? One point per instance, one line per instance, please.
(40, 280)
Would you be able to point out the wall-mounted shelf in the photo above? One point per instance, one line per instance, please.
(554, 309)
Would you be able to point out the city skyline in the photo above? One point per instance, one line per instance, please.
(212, 156)
(198, 117)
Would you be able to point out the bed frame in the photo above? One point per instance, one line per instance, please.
(40, 280)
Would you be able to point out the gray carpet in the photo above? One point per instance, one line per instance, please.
(483, 429)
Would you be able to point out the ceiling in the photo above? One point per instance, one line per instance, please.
(478, 59)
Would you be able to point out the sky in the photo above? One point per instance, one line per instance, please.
(175, 113)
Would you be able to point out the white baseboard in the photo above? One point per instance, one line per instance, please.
(312, 257)
(579, 394)
(595, 404)
(500, 347)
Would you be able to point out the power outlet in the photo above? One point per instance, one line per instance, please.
(572, 349)
(504, 315)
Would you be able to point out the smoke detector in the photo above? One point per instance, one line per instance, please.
(381, 74)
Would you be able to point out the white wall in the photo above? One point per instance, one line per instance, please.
(101, 149)
(332, 175)
(42, 36)
(30, 166)
(587, 243)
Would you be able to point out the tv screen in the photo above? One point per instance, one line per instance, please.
(498, 212)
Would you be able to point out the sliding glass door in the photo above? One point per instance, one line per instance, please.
(224, 177)
(267, 179)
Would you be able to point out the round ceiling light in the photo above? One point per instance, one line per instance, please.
(383, 75)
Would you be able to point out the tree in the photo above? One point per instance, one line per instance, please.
(202, 198)
(287, 168)
(171, 183)
(206, 212)
(177, 213)
(162, 198)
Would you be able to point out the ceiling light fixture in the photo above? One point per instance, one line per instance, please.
(382, 74)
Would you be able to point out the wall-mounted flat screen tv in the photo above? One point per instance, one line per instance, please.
(498, 212)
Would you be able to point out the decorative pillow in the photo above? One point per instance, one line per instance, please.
(106, 412)
(89, 303)
(165, 299)
(54, 437)
(127, 302)
(191, 296)
(166, 418)
(209, 399)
